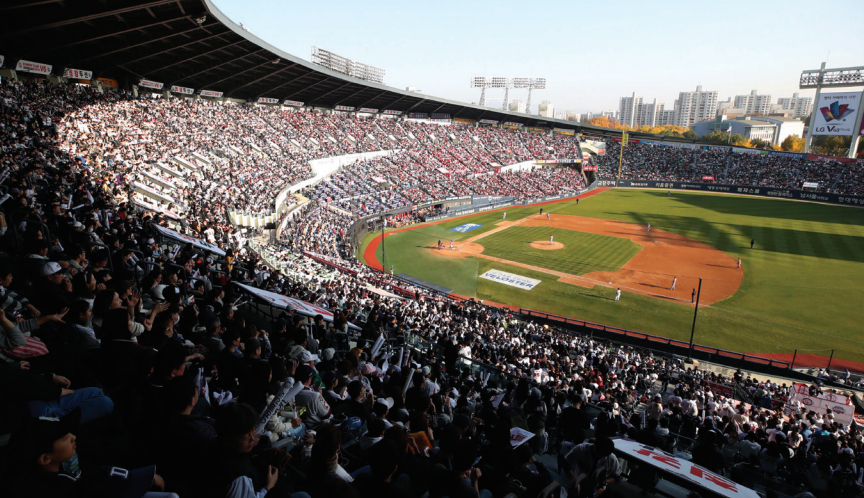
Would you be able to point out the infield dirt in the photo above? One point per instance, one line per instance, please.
(663, 256)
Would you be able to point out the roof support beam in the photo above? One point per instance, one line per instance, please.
(310, 86)
(333, 90)
(123, 49)
(232, 61)
(262, 78)
(98, 15)
(109, 35)
(175, 47)
(373, 98)
(199, 55)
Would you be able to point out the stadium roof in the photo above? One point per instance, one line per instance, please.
(191, 43)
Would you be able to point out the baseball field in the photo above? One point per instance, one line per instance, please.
(797, 288)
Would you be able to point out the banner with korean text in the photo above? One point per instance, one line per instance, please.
(182, 89)
(211, 93)
(155, 85)
(33, 67)
(77, 74)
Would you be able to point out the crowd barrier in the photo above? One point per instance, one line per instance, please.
(776, 193)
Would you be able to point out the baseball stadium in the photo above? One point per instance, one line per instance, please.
(230, 271)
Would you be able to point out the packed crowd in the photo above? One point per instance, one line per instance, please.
(125, 350)
(665, 163)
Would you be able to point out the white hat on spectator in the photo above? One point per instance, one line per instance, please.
(328, 353)
(388, 402)
(306, 357)
(51, 268)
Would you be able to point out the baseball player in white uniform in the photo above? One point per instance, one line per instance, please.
(648, 228)
(739, 263)
(674, 281)
(505, 215)
(548, 216)
(451, 245)
(618, 294)
(551, 237)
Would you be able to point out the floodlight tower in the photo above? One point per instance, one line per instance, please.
(484, 83)
(832, 78)
(504, 83)
(530, 84)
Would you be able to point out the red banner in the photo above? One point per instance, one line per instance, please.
(709, 178)
(588, 167)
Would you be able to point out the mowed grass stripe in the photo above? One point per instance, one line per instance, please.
(582, 252)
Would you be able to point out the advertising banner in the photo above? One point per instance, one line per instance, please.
(267, 100)
(629, 140)
(211, 93)
(77, 74)
(33, 67)
(392, 112)
(564, 131)
(511, 279)
(343, 108)
(709, 178)
(841, 406)
(366, 109)
(155, 85)
(182, 89)
(109, 82)
(836, 113)
(201, 244)
(488, 121)
(589, 167)
(294, 103)
(780, 193)
(511, 123)
(811, 184)
(682, 468)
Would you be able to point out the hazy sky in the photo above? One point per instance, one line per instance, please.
(591, 53)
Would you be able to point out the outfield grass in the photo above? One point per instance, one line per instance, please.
(582, 253)
(800, 291)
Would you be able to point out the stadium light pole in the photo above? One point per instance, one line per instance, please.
(383, 254)
(695, 312)
(826, 79)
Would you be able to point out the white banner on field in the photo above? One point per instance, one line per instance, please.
(211, 93)
(182, 89)
(285, 302)
(680, 467)
(811, 184)
(841, 406)
(155, 85)
(33, 67)
(77, 74)
(836, 113)
(201, 244)
(511, 279)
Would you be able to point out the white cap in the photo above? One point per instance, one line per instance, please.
(306, 357)
(51, 268)
(388, 402)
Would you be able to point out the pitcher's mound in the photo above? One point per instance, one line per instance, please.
(546, 246)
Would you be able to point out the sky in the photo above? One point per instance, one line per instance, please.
(591, 53)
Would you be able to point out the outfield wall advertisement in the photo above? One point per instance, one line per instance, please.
(779, 193)
(836, 113)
